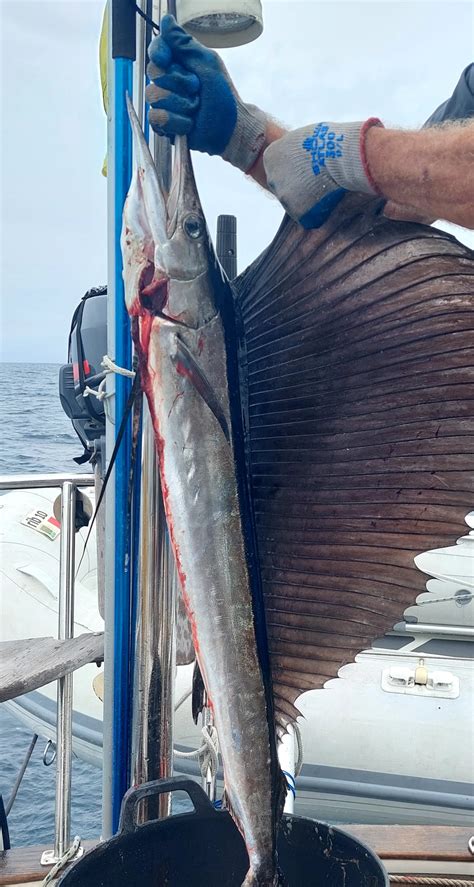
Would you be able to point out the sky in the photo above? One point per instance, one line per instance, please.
(335, 60)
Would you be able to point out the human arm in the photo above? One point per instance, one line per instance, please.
(459, 106)
(427, 174)
(423, 175)
(192, 93)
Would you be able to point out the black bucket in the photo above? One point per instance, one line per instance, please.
(205, 848)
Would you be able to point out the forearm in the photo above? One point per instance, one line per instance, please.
(430, 172)
(273, 132)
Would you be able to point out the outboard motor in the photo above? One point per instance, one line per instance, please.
(86, 348)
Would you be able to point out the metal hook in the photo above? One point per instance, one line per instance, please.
(48, 761)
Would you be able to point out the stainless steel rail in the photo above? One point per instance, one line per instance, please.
(42, 481)
(67, 560)
(68, 485)
(461, 631)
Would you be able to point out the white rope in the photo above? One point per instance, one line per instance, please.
(100, 393)
(299, 744)
(462, 599)
(111, 367)
(182, 699)
(65, 858)
(209, 759)
(207, 754)
(429, 882)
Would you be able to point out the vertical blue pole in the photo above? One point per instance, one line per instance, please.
(122, 609)
(118, 606)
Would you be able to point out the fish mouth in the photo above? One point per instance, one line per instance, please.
(168, 227)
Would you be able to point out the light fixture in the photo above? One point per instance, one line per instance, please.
(221, 23)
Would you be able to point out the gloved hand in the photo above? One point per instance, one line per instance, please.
(310, 169)
(192, 94)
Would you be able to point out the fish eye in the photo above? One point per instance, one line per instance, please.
(194, 226)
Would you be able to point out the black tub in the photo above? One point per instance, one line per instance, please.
(204, 849)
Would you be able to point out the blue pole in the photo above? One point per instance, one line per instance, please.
(118, 640)
(123, 356)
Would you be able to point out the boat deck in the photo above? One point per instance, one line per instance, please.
(407, 851)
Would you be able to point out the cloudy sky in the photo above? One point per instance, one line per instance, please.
(316, 60)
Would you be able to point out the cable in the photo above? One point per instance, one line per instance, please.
(149, 21)
(14, 792)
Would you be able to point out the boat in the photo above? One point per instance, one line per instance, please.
(389, 774)
(380, 766)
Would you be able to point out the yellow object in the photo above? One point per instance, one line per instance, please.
(103, 48)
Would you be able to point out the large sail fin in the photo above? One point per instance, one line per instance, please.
(357, 379)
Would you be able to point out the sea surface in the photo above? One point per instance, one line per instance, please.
(38, 438)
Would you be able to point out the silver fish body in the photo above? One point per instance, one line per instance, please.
(171, 279)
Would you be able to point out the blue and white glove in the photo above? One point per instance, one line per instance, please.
(192, 94)
(310, 169)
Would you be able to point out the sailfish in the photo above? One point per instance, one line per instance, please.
(314, 429)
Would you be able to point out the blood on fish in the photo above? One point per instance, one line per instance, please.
(184, 371)
(153, 292)
(179, 394)
(145, 327)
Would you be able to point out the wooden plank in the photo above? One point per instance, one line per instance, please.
(31, 663)
(22, 865)
(416, 842)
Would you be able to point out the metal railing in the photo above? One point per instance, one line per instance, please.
(68, 484)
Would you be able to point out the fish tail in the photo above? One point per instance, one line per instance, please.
(279, 879)
(265, 877)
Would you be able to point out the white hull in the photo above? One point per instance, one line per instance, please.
(371, 753)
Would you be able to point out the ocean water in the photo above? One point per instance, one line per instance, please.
(38, 438)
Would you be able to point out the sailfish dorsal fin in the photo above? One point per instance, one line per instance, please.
(358, 369)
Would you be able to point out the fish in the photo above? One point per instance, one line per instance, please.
(357, 356)
(177, 298)
(314, 425)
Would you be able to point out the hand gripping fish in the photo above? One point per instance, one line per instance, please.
(176, 296)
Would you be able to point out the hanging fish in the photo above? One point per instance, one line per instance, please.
(177, 297)
(315, 431)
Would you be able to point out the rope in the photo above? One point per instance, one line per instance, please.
(207, 753)
(467, 598)
(182, 699)
(65, 858)
(299, 743)
(210, 757)
(111, 367)
(100, 393)
(429, 882)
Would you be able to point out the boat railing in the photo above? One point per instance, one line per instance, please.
(68, 485)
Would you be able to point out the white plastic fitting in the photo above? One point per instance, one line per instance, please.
(221, 23)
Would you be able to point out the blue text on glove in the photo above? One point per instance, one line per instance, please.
(322, 145)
